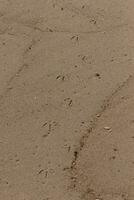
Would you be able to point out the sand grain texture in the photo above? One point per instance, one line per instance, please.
(66, 100)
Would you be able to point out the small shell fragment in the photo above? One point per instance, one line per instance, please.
(107, 128)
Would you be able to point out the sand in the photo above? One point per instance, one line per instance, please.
(66, 100)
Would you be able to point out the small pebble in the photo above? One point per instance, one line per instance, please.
(97, 75)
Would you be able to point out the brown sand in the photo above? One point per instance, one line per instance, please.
(66, 100)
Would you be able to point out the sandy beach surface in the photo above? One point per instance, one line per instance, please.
(66, 100)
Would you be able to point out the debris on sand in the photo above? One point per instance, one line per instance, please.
(107, 128)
